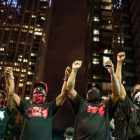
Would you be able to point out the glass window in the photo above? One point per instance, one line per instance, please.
(96, 32)
(96, 39)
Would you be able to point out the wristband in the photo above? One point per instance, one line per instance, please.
(65, 79)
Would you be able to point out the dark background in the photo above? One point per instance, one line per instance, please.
(66, 44)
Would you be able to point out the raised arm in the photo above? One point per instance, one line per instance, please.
(120, 59)
(60, 99)
(115, 83)
(10, 85)
(71, 81)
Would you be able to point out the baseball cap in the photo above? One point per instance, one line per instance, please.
(92, 84)
(41, 84)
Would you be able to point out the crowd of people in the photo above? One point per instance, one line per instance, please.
(93, 114)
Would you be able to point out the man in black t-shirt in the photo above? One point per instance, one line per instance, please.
(94, 114)
(37, 116)
(128, 104)
(5, 111)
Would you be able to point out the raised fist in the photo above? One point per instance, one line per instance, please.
(76, 65)
(121, 56)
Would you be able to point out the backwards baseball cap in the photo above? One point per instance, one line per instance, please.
(92, 84)
(41, 84)
(3, 93)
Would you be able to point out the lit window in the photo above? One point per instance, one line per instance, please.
(2, 49)
(95, 61)
(30, 73)
(17, 69)
(106, 51)
(38, 29)
(29, 83)
(107, 1)
(95, 77)
(27, 98)
(96, 19)
(21, 80)
(43, 18)
(25, 60)
(95, 54)
(22, 75)
(11, 41)
(30, 31)
(19, 59)
(96, 32)
(106, 7)
(37, 33)
(33, 16)
(23, 70)
(33, 54)
(20, 84)
(96, 39)
(25, 26)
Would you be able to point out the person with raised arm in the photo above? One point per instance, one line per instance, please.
(130, 105)
(6, 103)
(93, 114)
(37, 116)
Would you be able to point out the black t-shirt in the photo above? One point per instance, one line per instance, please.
(92, 121)
(37, 120)
(4, 116)
(127, 107)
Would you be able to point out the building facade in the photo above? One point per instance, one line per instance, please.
(98, 42)
(24, 29)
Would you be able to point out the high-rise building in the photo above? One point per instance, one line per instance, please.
(126, 38)
(135, 22)
(24, 29)
(98, 42)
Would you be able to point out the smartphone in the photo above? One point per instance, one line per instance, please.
(105, 58)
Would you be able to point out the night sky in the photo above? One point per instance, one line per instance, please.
(66, 44)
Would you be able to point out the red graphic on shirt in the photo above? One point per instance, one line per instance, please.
(38, 111)
(96, 109)
(132, 108)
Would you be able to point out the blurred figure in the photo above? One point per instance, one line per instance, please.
(69, 133)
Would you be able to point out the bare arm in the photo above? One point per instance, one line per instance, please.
(71, 81)
(60, 99)
(120, 59)
(12, 97)
(115, 83)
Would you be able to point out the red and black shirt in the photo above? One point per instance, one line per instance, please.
(37, 120)
(92, 120)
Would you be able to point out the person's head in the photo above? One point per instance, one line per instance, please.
(93, 91)
(2, 98)
(135, 94)
(40, 92)
(69, 133)
(134, 88)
